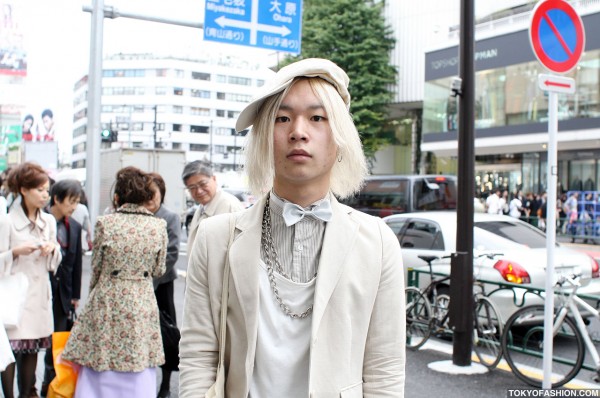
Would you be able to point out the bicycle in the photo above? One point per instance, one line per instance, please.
(522, 340)
(423, 319)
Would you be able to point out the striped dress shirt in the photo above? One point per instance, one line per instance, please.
(298, 246)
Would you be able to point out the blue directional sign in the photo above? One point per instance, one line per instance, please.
(270, 24)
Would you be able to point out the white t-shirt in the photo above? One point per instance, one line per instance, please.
(514, 208)
(493, 204)
(283, 344)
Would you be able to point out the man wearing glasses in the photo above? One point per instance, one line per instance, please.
(201, 183)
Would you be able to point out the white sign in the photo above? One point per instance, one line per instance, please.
(556, 84)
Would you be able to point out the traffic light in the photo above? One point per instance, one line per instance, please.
(106, 135)
(109, 135)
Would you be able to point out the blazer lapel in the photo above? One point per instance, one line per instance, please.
(243, 262)
(339, 238)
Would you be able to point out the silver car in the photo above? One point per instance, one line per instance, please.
(519, 254)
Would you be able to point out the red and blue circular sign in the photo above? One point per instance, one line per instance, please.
(557, 35)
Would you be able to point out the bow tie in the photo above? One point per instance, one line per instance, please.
(293, 213)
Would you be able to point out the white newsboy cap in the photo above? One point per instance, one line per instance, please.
(310, 67)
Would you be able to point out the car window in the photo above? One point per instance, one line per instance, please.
(382, 194)
(434, 193)
(516, 232)
(397, 225)
(422, 235)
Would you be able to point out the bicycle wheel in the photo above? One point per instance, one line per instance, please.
(522, 345)
(487, 332)
(418, 318)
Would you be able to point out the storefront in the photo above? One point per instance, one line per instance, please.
(512, 114)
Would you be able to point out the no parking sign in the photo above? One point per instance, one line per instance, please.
(557, 35)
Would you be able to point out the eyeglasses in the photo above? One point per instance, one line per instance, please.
(201, 185)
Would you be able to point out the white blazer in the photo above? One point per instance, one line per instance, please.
(358, 322)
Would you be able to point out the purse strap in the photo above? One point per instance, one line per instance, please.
(225, 296)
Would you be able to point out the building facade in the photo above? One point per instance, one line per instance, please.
(171, 103)
(511, 112)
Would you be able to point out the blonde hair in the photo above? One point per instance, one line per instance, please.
(348, 173)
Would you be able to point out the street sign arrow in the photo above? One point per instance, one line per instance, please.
(224, 22)
(556, 84)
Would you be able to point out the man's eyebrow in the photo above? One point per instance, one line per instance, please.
(286, 107)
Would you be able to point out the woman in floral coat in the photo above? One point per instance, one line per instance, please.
(117, 338)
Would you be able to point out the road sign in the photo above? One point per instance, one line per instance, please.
(556, 84)
(557, 35)
(270, 24)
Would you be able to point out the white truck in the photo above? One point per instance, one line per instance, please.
(168, 163)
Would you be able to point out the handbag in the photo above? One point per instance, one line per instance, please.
(63, 385)
(170, 337)
(217, 390)
(13, 294)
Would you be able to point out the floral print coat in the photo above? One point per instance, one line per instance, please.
(119, 327)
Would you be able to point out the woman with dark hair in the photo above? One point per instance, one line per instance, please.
(28, 245)
(117, 339)
(164, 286)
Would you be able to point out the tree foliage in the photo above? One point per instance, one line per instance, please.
(353, 34)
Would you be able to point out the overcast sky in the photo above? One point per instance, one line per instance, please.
(57, 40)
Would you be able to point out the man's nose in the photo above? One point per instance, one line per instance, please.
(299, 130)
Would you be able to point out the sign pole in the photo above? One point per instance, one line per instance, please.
(550, 235)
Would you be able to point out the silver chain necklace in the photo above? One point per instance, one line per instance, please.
(272, 262)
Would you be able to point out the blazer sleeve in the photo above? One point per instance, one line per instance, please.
(384, 361)
(174, 234)
(199, 346)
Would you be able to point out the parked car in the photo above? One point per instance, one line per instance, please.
(384, 195)
(519, 248)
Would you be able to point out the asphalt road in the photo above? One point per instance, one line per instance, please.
(421, 380)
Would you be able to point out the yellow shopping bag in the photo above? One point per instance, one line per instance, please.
(63, 385)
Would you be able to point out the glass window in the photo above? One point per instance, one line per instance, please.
(177, 91)
(200, 111)
(177, 109)
(221, 79)
(200, 93)
(161, 72)
(179, 73)
(176, 127)
(201, 76)
(581, 175)
(434, 194)
(515, 231)
(242, 81)
(396, 225)
(198, 129)
(421, 235)
(220, 113)
(220, 96)
(160, 91)
(199, 147)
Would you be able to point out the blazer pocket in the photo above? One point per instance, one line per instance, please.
(353, 391)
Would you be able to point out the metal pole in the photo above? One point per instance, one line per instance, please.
(154, 126)
(210, 146)
(113, 12)
(461, 282)
(94, 107)
(550, 236)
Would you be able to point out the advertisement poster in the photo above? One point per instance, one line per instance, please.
(13, 58)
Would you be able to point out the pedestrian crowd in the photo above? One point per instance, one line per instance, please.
(296, 296)
(573, 218)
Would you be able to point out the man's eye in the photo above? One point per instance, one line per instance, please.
(282, 119)
(318, 118)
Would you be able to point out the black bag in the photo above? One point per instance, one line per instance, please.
(170, 336)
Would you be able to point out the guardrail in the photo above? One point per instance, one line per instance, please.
(413, 280)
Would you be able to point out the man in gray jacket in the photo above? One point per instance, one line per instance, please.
(201, 182)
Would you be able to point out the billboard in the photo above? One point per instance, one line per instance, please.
(13, 58)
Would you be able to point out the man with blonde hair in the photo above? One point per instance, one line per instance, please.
(316, 290)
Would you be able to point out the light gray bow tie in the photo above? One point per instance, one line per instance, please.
(293, 213)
